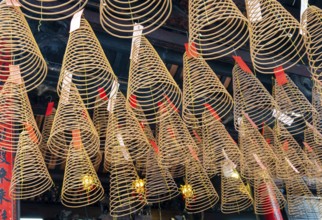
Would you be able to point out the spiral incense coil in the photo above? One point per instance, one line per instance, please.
(19, 47)
(119, 17)
(125, 196)
(217, 144)
(51, 10)
(50, 159)
(313, 142)
(313, 26)
(251, 97)
(152, 88)
(269, 135)
(125, 130)
(16, 115)
(100, 119)
(196, 135)
(317, 105)
(253, 143)
(177, 171)
(275, 36)
(81, 185)
(30, 176)
(71, 114)
(217, 28)
(175, 143)
(267, 195)
(86, 65)
(202, 91)
(204, 195)
(299, 197)
(96, 161)
(288, 147)
(160, 185)
(235, 196)
(294, 106)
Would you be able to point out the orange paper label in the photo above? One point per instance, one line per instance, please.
(76, 138)
(191, 50)
(212, 111)
(31, 132)
(308, 147)
(171, 103)
(155, 146)
(241, 63)
(280, 76)
(259, 162)
(250, 120)
(197, 136)
(193, 152)
(170, 131)
(285, 146)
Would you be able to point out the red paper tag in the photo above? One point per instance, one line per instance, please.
(155, 146)
(191, 50)
(102, 94)
(31, 132)
(76, 138)
(280, 76)
(242, 64)
(212, 111)
(250, 121)
(171, 103)
(133, 101)
(197, 136)
(170, 131)
(263, 124)
(193, 153)
(49, 108)
(308, 147)
(161, 107)
(285, 146)
(142, 125)
(268, 140)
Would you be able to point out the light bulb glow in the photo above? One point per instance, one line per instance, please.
(88, 182)
(139, 186)
(186, 191)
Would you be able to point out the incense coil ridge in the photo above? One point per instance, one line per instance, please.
(311, 22)
(202, 91)
(267, 195)
(49, 158)
(160, 185)
(275, 36)
(124, 197)
(217, 28)
(120, 17)
(100, 119)
(71, 114)
(295, 108)
(19, 47)
(317, 105)
(150, 84)
(252, 98)
(125, 130)
(235, 195)
(16, 115)
(30, 176)
(86, 66)
(81, 185)
(217, 143)
(204, 194)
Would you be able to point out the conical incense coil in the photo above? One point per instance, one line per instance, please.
(313, 142)
(72, 115)
(217, 28)
(86, 65)
(269, 135)
(294, 106)
(317, 104)
(127, 190)
(196, 135)
(177, 171)
(160, 185)
(119, 17)
(50, 159)
(16, 114)
(311, 21)
(100, 119)
(125, 130)
(18, 47)
(96, 161)
(254, 147)
(203, 195)
(52, 10)
(300, 199)
(251, 97)
(30, 176)
(217, 146)
(81, 185)
(151, 87)
(175, 143)
(267, 197)
(235, 195)
(202, 91)
(275, 36)
(288, 147)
